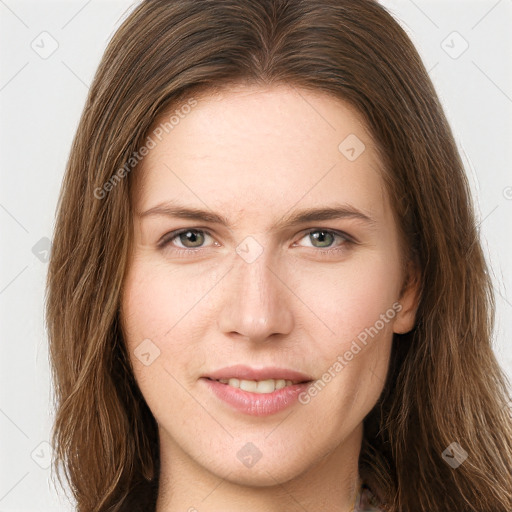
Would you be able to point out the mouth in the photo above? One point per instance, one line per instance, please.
(259, 386)
(263, 380)
(257, 392)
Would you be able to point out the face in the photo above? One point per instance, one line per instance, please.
(292, 272)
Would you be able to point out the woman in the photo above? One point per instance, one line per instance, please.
(266, 286)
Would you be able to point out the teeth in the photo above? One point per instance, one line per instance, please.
(257, 386)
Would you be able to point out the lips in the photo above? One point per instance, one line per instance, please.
(255, 403)
(257, 392)
(243, 372)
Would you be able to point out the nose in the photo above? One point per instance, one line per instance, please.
(256, 302)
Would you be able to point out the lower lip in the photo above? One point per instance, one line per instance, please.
(257, 404)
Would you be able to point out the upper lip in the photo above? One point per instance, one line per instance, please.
(243, 372)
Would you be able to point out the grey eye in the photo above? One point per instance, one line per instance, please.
(191, 238)
(325, 238)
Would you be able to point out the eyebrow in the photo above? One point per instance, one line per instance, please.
(337, 211)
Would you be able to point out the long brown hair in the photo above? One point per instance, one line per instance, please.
(444, 383)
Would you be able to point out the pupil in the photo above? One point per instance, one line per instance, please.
(191, 234)
(320, 236)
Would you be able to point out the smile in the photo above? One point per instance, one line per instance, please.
(256, 398)
(258, 386)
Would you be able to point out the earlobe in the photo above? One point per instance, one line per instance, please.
(409, 300)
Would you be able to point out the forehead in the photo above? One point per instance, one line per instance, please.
(261, 150)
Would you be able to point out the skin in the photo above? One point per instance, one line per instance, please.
(254, 154)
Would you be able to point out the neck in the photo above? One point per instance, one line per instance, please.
(331, 483)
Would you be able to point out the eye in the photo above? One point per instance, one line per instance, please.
(188, 238)
(323, 238)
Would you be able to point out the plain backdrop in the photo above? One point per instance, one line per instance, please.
(49, 53)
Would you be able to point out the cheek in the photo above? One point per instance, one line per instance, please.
(351, 298)
(166, 306)
(155, 302)
(159, 299)
(357, 307)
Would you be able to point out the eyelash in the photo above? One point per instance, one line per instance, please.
(166, 240)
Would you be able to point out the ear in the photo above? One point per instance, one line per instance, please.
(409, 299)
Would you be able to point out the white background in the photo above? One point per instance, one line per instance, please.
(40, 103)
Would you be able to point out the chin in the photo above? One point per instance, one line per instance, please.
(262, 474)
